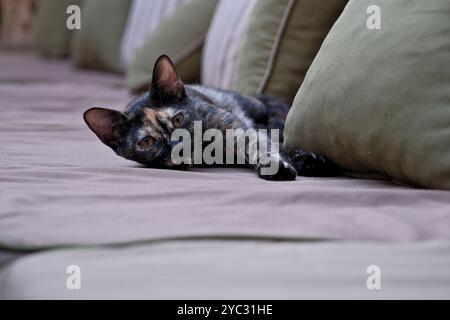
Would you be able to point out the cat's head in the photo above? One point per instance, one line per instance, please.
(143, 131)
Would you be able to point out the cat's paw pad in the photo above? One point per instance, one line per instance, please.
(283, 171)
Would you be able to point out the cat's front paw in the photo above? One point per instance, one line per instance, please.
(276, 171)
(311, 165)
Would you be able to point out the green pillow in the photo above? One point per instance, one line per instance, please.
(378, 101)
(97, 44)
(282, 39)
(181, 37)
(51, 36)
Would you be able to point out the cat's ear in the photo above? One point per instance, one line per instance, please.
(166, 85)
(109, 125)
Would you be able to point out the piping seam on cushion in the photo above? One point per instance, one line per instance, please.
(276, 46)
(190, 50)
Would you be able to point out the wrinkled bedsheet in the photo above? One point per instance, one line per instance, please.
(60, 186)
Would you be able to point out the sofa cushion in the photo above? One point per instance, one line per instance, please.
(181, 37)
(97, 44)
(51, 35)
(225, 36)
(378, 100)
(145, 16)
(282, 39)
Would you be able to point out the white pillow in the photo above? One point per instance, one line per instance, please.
(144, 18)
(223, 40)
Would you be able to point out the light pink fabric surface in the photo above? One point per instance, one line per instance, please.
(60, 185)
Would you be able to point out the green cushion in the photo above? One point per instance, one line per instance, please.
(378, 101)
(282, 40)
(51, 36)
(181, 37)
(97, 44)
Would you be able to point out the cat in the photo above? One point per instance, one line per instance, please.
(142, 132)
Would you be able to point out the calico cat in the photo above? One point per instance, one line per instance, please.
(143, 131)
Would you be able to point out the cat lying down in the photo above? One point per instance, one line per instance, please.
(177, 126)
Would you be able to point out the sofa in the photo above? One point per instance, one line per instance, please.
(69, 206)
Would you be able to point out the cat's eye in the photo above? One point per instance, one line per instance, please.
(146, 142)
(178, 120)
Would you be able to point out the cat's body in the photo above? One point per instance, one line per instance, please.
(143, 132)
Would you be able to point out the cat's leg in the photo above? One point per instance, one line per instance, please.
(263, 156)
(277, 111)
(284, 170)
(306, 163)
(254, 109)
(309, 164)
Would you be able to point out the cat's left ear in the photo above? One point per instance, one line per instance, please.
(166, 85)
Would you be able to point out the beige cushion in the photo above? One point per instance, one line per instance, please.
(97, 44)
(51, 36)
(378, 101)
(282, 39)
(181, 36)
(145, 17)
